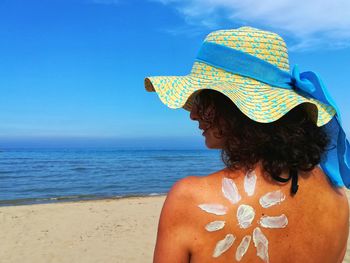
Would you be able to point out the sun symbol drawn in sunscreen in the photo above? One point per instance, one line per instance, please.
(245, 216)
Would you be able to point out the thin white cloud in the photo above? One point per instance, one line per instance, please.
(312, 23)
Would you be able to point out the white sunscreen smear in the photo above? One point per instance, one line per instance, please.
(215, 225)
(274, 221)
(272, 198)
(249, 183)
(262, 244)
(223, 245)
(245, 215)
(230, 191)
(216, 209)
(243, 247)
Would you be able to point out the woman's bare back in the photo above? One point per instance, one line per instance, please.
(311, 226)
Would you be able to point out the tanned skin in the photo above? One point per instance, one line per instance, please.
(318, 217)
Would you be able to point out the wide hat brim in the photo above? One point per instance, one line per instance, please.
(257, 100)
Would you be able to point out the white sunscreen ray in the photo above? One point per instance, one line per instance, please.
(262, 244)
(215, 226)
(274, 221)
(249, 183)
(243, 247)
(223, 245)
(272, 198)
(245, 215)
(216, 209)
(230, 191)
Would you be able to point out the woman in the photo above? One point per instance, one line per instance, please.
(272, 202)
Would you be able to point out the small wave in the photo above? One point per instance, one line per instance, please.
(6, 172)
(155, 194)
(79, 169)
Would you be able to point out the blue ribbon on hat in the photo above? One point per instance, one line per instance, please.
(336, 163)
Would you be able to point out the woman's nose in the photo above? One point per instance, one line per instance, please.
(194, 113)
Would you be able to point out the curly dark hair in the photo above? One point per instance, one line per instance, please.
(292, 143)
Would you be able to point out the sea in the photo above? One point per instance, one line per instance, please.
(35, 176)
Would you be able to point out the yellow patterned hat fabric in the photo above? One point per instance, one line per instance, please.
(259, 101)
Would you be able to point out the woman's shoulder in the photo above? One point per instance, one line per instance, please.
(191, 187)
(316, 217)
(315, 191)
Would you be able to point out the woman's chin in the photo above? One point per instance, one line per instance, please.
(212, 141)
(211, 145)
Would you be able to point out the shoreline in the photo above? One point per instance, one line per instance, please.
(69, 199)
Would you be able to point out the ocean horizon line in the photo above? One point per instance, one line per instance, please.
(102, 148)
(195, 142)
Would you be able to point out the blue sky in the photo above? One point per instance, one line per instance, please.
(72, 71)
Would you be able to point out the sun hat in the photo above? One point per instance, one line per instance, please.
(258, 100)
(251, 67)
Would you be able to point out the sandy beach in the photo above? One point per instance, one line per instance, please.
(120, 230)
